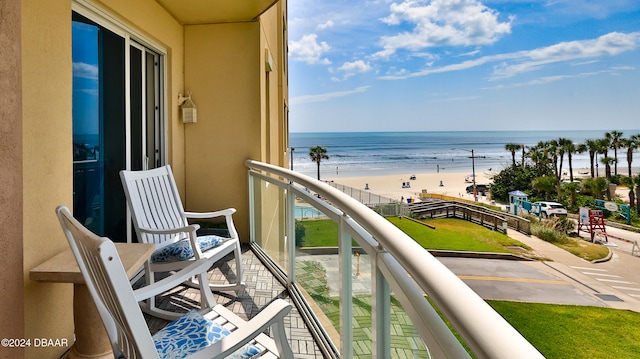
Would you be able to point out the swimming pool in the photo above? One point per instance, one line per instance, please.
(306, 212)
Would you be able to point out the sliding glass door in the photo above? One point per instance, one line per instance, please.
(117, 122)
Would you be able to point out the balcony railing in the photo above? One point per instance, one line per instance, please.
(391, 277)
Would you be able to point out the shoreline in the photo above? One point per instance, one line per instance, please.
(391, 185)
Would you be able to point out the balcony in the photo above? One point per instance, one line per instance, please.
(364, 299)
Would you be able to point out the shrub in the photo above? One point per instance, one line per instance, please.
(553, 230)
(300, 233)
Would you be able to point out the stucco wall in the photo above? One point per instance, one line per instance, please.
(11, 274)
(47, 163)
(222, 70)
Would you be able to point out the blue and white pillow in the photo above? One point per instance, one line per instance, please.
(192, 333)
(182, 250)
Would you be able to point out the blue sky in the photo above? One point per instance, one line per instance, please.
(377, 65)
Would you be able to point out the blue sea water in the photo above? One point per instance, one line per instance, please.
(378, 153)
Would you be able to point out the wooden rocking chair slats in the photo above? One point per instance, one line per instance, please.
(159, 218)
(117, 303)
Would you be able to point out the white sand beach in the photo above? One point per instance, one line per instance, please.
(451, 184)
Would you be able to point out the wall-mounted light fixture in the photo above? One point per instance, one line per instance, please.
(189, 113)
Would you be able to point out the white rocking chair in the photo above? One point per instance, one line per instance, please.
(217, 334)
(160, 219)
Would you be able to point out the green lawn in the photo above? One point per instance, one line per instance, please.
(456, 234)
(566, 331)
(321, 233)
(450, 234)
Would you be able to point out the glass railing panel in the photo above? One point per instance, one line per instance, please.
(362, 304)
(269, 221)
(404, 338)
(316, 264)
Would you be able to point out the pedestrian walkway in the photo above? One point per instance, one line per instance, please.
(615, 282)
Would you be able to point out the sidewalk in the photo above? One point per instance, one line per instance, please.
(615, 281)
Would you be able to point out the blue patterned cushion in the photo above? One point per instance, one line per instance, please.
(191, 333)
(246, 352)
(182, 250)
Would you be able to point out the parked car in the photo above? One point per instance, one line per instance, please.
(480, 188)
(548, 209)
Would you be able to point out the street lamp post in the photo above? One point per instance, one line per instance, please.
(292, 149)
(473, 172)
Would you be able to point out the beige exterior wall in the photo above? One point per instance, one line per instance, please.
(222, 64)
(47, 163)
(240, 111)
(11, 273)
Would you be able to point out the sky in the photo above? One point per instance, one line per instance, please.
(445, 65)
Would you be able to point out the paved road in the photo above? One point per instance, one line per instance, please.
(563, 278)
(518, 281)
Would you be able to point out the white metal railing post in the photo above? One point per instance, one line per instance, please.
(380, 310)
(252, 209)
(345, 269)
(291, 235)
(433, 330)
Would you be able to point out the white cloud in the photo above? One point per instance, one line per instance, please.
(442, 23)
(550, 79)
(325, 25)
(309, 50)
(85, 71)
(512, 64)
(326, 96)
(355, 66)
(609, 44)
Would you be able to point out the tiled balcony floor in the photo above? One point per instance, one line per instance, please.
(261, 288)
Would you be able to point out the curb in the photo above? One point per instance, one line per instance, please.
(434, 252)
(482, 255)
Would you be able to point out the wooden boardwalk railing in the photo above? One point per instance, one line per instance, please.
(440, 206)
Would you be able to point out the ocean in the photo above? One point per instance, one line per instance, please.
(378, 153)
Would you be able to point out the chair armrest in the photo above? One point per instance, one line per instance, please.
(227, 213)
(201, 215)
(161, 286)
(274, 312)
(186, 229)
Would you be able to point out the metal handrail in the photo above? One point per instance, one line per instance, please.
(483, 329)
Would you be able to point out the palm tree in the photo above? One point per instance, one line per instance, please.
(317, 154)
(604, 144)
(569, 148)
(550, 151)
(614, 138)
(523, 153)
(632, 143)
(538, 158)
(544, 184)
(628, 181)
(636, 181)
(512, 147)
(571, 188)
(595, 186)
(607, 161)
(593, 146)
